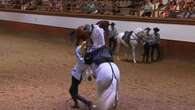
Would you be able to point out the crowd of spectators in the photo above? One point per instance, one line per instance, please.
(108, 7)
(179, 9)
(144, 8)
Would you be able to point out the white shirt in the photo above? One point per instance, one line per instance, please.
(97, 37)
(80, 68)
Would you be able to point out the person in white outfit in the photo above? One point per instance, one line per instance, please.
(96, 36)
(78, 72)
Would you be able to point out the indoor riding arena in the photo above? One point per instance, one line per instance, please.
(37, 54)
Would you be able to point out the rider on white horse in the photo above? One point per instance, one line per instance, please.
(96, 36)
(105, 71)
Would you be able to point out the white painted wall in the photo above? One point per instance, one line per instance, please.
(168, 31)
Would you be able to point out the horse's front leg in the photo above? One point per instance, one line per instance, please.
(134, 54)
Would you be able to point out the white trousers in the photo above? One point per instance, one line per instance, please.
(107, 80)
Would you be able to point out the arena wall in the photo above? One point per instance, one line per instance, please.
(177, 39)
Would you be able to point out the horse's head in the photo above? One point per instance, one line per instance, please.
(140, 33)
(104, 25)
(82, 34)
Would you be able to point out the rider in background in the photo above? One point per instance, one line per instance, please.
(112, 39)
(78, 72)
(155, 44)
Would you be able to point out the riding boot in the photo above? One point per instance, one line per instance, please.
(74, 91)
(88, 103)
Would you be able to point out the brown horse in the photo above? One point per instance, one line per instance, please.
(82, 35)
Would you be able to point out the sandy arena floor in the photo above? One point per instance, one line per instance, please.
(35, 75)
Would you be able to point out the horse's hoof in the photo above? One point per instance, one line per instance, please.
(134, 61)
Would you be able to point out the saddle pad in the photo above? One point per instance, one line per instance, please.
(99, 56)
(126, 36)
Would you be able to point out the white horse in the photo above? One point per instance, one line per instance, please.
(107, 80)
(132, 41)
(107, 76)
(104, 69)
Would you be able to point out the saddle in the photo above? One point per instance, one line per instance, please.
(126, 36)
(98, 56)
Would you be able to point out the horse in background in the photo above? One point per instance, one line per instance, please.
(130, 40)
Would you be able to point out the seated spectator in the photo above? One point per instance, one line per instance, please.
(31, 5)
(123, 4)
(73, 5)
(188, 10)
(172, 8)
(92, 7)
(78, 6)
(193, 10)
(15, 4)
(51, 5)
(108, 7)
(97, 6)
(181, 5)
(115, 8)
(129, 3)
(25, 6)
(164, 14)
(68, 6)
(85, 7)
(160, 4)
(101, 7)
(148, 9)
